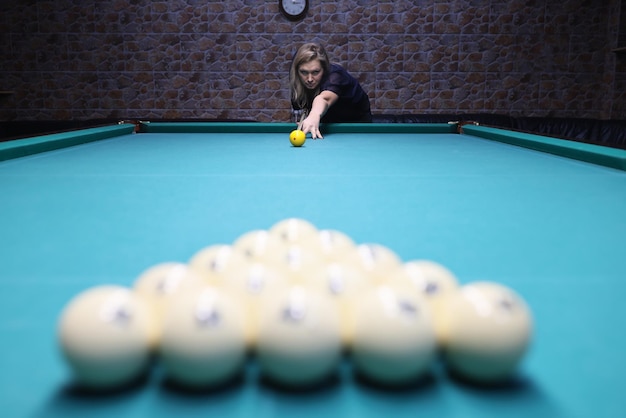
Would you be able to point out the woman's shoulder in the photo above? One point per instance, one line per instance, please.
(337, 68)
(339, 75)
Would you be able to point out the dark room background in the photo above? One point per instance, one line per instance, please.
(190, 59)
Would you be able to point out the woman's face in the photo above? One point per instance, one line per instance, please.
(311, 74)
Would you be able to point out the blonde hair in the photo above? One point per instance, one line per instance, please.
(308, 52)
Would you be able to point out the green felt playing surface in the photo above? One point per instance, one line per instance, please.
(550, 227)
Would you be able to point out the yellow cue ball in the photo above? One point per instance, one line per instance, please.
(297, 138)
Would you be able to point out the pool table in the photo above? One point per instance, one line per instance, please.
(544, 216)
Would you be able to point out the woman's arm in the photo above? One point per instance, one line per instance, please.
(320, 106)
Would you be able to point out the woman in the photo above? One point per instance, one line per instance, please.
(324, 92)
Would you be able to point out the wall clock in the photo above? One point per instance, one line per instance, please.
(293, 9)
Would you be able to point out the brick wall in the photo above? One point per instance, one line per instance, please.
(86, 59)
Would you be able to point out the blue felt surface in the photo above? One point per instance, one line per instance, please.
(550, 227)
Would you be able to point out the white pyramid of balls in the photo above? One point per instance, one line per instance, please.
(297, 300)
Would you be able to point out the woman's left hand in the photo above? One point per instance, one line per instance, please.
(311, 124)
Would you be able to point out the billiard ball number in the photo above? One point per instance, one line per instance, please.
(293, 9)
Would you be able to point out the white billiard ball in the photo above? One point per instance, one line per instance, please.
(256, 245)
(433, 281)
(299, 340)
(394, 339)
(377, 261)
(106, 334)
(251, 283)
(344, 284)
(294, 261)
(211, 262)
(203, 342)
(295, 231)
(335, 245)
(487, 331)
(162, 283)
